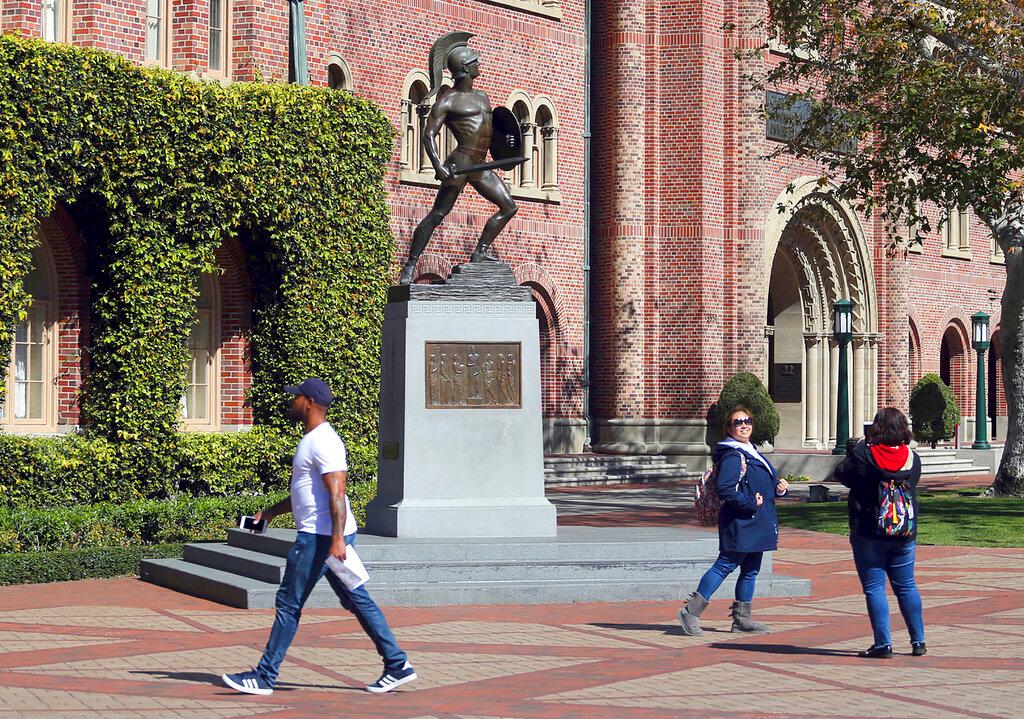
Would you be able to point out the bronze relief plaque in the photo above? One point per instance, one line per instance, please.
(485, 375)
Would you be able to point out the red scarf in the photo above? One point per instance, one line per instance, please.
(891, 459)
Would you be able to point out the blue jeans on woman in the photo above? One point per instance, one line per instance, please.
(307, 563)
(749, 564)
(877, 559)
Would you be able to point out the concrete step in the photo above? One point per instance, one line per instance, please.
(602, 460)
(270, 568)
(580, 564)
(581, 544)
(943, 469)
(586, 469)
(645, 476)
(246, 562)
(246, 593)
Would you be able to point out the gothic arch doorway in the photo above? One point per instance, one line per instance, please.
(820, 256)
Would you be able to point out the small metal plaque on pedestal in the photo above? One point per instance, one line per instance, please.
(484, 375)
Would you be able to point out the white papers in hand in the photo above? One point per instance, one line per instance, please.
(351, 572)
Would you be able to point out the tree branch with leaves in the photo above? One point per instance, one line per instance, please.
(932, 96)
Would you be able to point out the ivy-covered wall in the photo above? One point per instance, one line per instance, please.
(158, 170)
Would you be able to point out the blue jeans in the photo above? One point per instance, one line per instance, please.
(877, 559)
(306, 565)
(749, 564)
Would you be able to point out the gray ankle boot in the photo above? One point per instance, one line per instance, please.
(741, 621)
(689, 616)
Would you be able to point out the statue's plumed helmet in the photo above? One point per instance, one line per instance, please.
(458, 58)
(451, 51)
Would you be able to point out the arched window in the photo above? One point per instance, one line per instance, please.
(30, 399)
(547, 150)
(956, 233)
(953, 361)
(220, 37)
(415, 164)
(412, 119)
(913, 354)
(339, 75)
(158, 32)
(523, 175)
(55, 20)
(537, 178)
(199, 405)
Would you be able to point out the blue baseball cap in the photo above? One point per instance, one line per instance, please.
(316, 389)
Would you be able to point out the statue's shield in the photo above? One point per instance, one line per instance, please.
(507, 135)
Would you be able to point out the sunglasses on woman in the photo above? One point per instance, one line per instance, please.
(740, 421)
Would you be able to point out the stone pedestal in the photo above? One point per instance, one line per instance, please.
(461, 437)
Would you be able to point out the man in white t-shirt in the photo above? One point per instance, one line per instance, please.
(326, 526)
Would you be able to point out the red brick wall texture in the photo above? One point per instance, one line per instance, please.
(680, 204)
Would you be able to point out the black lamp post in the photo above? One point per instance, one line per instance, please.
(843, 317)
(979, 326)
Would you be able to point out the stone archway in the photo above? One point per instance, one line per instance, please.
(819, 256)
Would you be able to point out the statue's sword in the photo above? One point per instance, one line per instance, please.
(507, 164)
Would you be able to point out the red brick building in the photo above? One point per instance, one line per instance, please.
(695, 273)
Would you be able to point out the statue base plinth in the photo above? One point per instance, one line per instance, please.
(461, 436)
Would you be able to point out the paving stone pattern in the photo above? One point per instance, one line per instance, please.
(120, 648)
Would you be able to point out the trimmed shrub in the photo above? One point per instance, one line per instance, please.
(67, 566)
(82, 469)
(934, 413)
(746, 389)
(144, 522)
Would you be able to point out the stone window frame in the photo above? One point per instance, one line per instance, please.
(545, 8)
(414, 167)
(63, 17)
(227, 33)
(956, 234)
(537, 178)
(47, 423)
(997, 258)
(164, 34)
(211, 315)
(343, 73)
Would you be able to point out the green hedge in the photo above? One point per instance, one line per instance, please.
(145, 522)
(82, 469)
(158, 170)
(67, 566)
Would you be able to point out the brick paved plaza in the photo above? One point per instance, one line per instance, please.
(122, 648)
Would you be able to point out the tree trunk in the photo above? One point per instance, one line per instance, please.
(1009, 232)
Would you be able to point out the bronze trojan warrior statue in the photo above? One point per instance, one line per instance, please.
(477, 129)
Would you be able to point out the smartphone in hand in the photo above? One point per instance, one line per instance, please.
(250, 523)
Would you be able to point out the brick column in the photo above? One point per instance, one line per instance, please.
(624, 73)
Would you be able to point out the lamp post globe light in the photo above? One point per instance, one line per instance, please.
(980, 334)
(843, 333)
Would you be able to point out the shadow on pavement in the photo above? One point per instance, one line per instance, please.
(786, 649)
(669, 629)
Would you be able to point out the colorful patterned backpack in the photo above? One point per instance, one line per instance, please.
(895, 510)
(707, 503)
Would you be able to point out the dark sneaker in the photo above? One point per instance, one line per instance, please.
(918, 649)
(392, 679)
(876, 652)
(248, 682)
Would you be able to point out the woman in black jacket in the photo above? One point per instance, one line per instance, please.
(747, 483)
(882, 473)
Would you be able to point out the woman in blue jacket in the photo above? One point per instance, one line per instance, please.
(747, 524)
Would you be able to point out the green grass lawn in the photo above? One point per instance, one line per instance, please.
(961, 518)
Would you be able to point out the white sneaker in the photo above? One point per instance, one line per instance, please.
(390, 680)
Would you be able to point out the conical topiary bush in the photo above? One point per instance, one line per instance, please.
(933, 410)
(745, 389)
